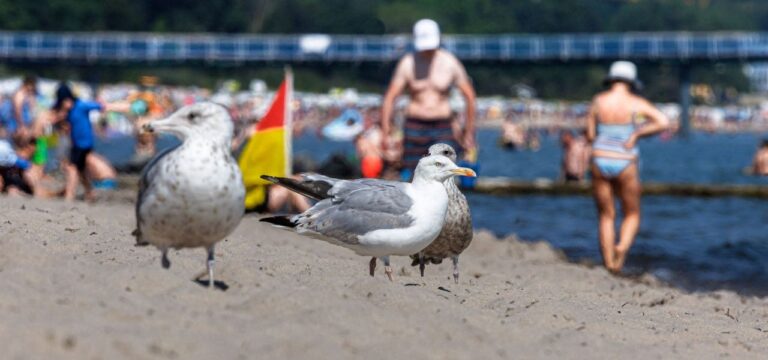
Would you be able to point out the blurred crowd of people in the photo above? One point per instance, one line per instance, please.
(37, 140)
(49, 128)
(39, 134)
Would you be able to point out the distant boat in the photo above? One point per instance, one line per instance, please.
(345, 127)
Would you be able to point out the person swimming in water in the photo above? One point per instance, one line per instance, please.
(576, 157)
(760, 161)
(613, 127)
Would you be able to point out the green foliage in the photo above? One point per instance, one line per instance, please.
(576, 81)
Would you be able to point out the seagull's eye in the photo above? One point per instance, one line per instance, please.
(446, 152)
(439, 164)
(192, 116)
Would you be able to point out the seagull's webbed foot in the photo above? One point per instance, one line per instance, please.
(164, 260)
(372, 266)
(421, 263)
(455, 269)
(387, 268)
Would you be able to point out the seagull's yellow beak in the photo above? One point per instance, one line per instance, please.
(464, 172)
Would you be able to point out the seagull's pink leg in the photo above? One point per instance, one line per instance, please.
(387, 268)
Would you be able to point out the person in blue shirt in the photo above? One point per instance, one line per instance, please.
(76, 112)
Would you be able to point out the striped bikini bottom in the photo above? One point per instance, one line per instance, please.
(611, 157)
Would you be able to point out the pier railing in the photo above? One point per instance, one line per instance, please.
(150, 47)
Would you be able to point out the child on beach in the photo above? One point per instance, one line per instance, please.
(76, 113)
(14, 167)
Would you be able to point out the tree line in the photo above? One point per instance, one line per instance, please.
(397, 16)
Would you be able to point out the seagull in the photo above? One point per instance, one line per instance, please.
(457, 230)
(375, 218)
(191, 195)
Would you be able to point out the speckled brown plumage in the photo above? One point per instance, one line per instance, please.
(457, 231)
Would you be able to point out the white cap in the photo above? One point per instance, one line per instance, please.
(426, 35)
(623, 70)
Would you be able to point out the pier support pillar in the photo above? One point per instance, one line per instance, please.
(685, 100)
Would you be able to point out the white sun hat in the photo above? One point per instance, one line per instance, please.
(624, 71)
(426, 35)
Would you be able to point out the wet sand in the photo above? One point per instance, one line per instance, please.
(75, 287)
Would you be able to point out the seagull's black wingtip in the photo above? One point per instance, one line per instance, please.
(271, 179)
(284, 221)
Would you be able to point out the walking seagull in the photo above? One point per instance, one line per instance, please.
(191, 195)
(375, 218)
(457, 230)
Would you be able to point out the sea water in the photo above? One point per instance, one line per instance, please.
(693, 243)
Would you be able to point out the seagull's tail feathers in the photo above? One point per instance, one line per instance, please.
(427, 260)
(317, 190)
(280, 221)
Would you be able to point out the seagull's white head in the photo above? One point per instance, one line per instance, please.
(439, 168)
(443, 149)
(204, 119)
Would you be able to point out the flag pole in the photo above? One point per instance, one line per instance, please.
(288, 121)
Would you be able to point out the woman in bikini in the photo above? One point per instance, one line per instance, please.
(617, 118)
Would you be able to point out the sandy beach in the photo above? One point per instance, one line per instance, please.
(75, 287)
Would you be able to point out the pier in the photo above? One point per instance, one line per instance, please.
(511, 187)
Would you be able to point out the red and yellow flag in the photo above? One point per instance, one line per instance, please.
(268, 151)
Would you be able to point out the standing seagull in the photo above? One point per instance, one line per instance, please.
(457, 231)
(375, 218)
(191, 195)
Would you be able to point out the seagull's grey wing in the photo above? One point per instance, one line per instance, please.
(147, 177)
(319, 187)
(342, 190)
(320, 179)
(356, 209)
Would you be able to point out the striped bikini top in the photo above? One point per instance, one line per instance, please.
(611, 139)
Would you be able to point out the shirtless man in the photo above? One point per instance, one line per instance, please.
(369, 151)
(428, 75)
(575, 157)
(23, 105)
(760, 162)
